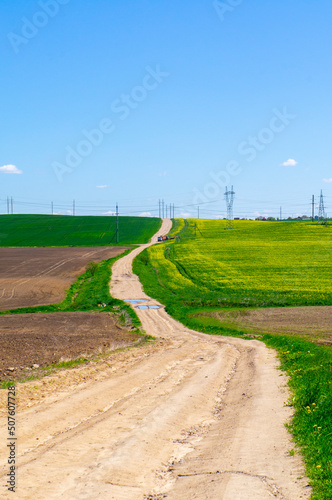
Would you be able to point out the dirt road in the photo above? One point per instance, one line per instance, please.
(190, 417)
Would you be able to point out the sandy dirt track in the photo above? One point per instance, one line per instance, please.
(191, 417)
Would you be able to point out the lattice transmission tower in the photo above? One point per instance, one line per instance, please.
(321, 213)
(229, 195)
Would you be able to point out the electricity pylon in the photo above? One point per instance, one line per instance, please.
(229, 195)
(321, 213)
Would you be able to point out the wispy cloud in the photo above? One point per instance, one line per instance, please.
(10, 169)
(327, 180)
(104, 186)
(289, 163)
(110, 212)
(145, 214)
(163, 174)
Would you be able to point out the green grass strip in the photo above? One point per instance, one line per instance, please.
(309, 368)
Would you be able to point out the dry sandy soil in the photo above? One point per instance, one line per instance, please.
(190, 417)
(40, 276)
(41, 339)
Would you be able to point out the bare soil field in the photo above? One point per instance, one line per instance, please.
(311, 323)
(42, 339)
(190, 417)
(40, 276)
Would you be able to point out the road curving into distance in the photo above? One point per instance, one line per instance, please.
(192, 416)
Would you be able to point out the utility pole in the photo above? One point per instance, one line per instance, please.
(166, 211)
(73, 207)
(313, 208)
(280, 213)
(12, 205)
(197, 212)
(117, 223)
(163, 209)
(7, 205)
(52, 212)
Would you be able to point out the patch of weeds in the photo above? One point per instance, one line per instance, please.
(148, 338)
(7, 383)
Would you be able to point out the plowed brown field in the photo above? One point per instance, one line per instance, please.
(30, 341)
(40, 276)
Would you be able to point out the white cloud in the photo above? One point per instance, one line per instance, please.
(327, 180)
(103, 186)
(146, 214)
(289, 163)
(163, 174)
(110, 212)
(10, 169)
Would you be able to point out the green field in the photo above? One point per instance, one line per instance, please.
(62, 230)
(257, 265)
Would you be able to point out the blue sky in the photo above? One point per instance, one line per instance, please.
(144, 100)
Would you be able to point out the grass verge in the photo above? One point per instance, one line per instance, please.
(309, 368)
